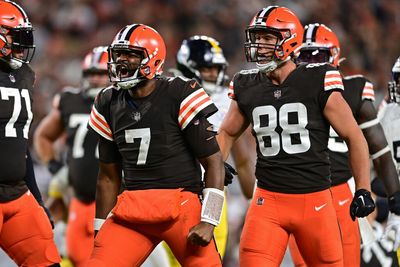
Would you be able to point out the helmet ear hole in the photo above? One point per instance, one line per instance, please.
(157, 62)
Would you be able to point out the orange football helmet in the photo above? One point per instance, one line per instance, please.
(15, 23)
(139, 39)
(320, 45)
(95, 71)
(96, 60)
(282, 23)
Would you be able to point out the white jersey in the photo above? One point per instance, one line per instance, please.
(389, 117)
(222, 101)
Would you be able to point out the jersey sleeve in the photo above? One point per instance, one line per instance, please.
(368, 91)
(195, 103)
(332, 82)
(98, 120)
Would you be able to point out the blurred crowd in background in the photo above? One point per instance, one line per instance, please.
(65, 30)
(369, 32)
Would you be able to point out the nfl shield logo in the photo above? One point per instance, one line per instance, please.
(136, 116)
(12, 78)
(260, 201)
(277, 94)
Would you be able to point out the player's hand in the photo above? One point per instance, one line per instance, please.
(48, 215)
(392, 230)
(201, 234)
(362, 204)
(229, 173)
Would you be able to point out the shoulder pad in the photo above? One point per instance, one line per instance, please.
(316, 65)
(70, 89)
(178, 78)
(250, 71)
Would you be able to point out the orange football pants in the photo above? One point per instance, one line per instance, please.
(80, 232)
(342, 198)
(272, 217)
(126, 244)
(25, 233)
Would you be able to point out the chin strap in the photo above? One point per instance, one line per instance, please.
(272, 65)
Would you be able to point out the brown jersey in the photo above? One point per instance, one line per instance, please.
(82, 157)
(356, 90)
(149, 132)
(15, 120)
(289, 126)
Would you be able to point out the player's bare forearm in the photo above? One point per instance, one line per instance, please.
(359, 161)
(214, 171)
(108, 185)
(47, 132)
(232, 127)
(244, 156)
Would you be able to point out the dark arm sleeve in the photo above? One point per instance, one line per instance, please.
(201, 138)
(31, 180)
(108, 151)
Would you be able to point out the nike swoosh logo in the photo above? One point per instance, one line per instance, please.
(193, 85)
(362, 199)
(342, 202)
(183, 203)
(320, 207)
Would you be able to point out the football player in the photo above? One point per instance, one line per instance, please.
(202, 58)
(290, 108)
(156, 131)
(70, 115)
(26, 232)
(389, 117)
(320, 45)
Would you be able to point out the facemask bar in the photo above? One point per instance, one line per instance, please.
(252, 47)
(394, 88)
(121, 72)
(23, 43)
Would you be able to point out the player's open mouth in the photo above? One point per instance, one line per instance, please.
(123, 71)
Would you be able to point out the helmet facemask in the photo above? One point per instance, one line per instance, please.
(394, 88)
(269, 61)
(91, 85)
(215, 85)
(22, 45)
(196, 55)
(124, 73)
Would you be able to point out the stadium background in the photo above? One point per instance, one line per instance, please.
(369, 32)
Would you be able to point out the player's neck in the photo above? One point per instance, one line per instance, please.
(144, 89)
(279, 75)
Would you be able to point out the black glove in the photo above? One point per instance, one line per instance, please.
(394, 203)
(229, 172)
(48, 214)
(362, 204)
(54, 166)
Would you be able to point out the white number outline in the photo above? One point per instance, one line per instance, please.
(80, 121)
(145, 136)
(6, 93)
(287, 129)
(334, 145)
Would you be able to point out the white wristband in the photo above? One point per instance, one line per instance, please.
(98, 223)
(213, 204)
